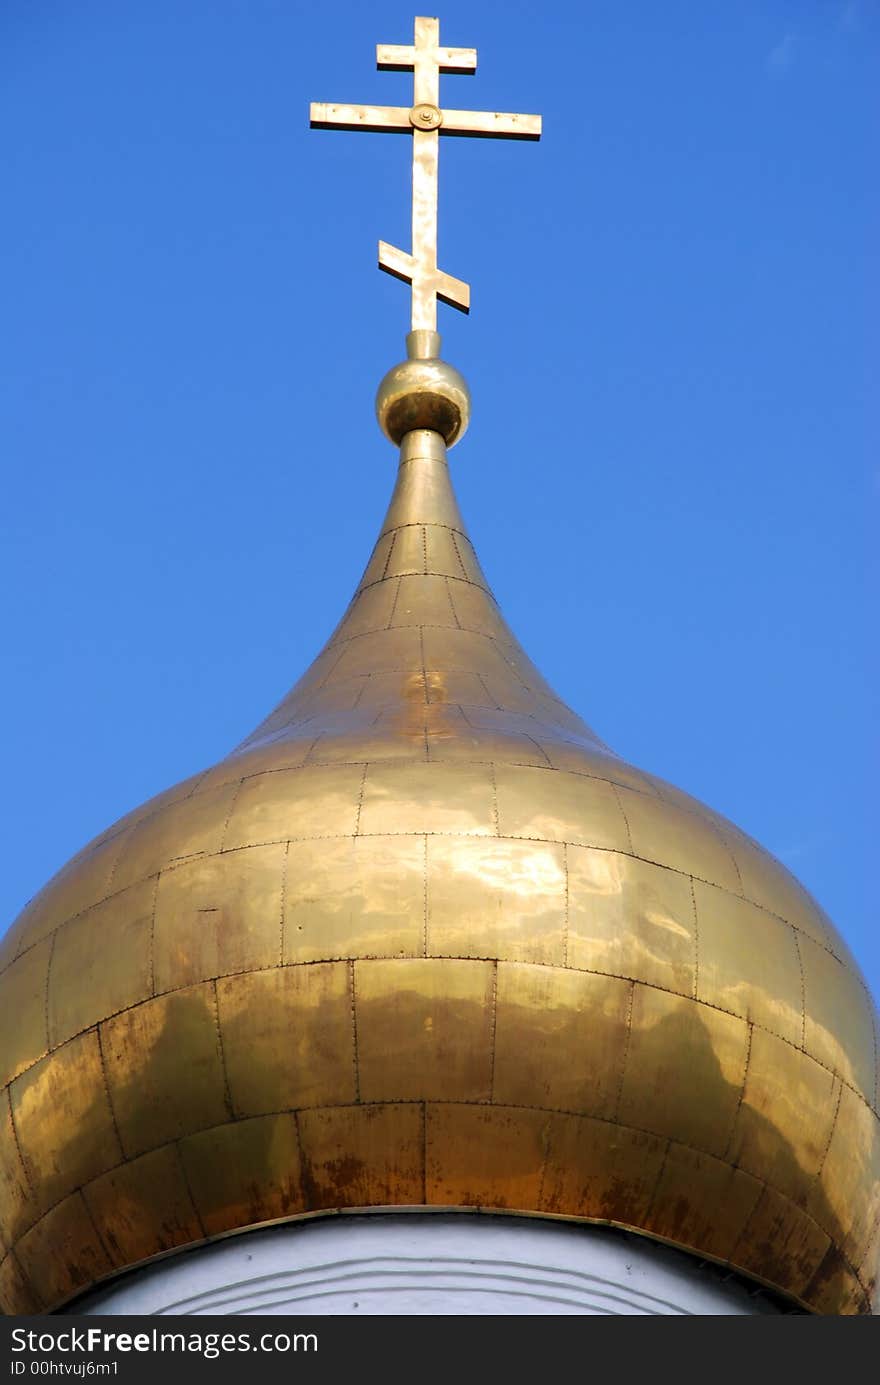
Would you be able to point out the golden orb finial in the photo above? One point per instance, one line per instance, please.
(423, 392)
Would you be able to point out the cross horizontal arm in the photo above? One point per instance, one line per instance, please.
(397, 57)
(499, 124)
(324, 116)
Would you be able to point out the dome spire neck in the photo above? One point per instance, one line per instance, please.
(422, 344)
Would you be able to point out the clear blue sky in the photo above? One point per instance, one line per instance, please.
(671, 475)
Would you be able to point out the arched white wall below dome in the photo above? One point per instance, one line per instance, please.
(428, 1264)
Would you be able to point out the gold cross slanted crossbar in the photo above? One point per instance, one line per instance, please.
(426, 60)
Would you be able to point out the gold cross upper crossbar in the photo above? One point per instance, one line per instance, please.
(425, 119)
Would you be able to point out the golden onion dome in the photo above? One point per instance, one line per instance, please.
(423, 940)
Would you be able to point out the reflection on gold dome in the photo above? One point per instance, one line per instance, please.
(423, 940)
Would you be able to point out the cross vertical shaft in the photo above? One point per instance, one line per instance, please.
(426, 160)
(425, 121)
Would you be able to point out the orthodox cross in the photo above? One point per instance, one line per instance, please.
(425, 119)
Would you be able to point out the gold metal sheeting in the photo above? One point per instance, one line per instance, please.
(516, 668)
(378, 743)
(383, 651)
(701, 1201)
(280, 722)
(505, 720)
(18, 1207)
(484, 745)
(63, 1120)
(465, 652)
(402, 692)
(63, 1253)
(839, 1024)
(284, 721)
(835, 1290)
(342, 697)
(188, 828)
(600, 1170)
(165, 1069)
(184, 788)
(301, 705)
(344, 722)
(786, 1116)
(424, 444)
(470, 562)
(766, 882)
(441, 686)
(73, 889)
(496, 719)
(16, 1294)
(364, 1156)
(845, 1201)
(288, 1037)
(749, 962)
(123, 1204)
(436, 718)
(446, 554)
(476, 609)
(670, 793)
(245, 1173)
(312, 680)
(510, 702)
(23, 1034)
(428, 798)
(556, 714)
(780, 1243)
(516, 660)
(423, 497)
(287, 753)
(409, 553)
(218, 914)
(685, 1068)
(519, 669)
(510, 694)
(377, 561)
(423, 600)
(543, 1012)
(490, 898)
(587, 758)
(314, 801)
(355, 897)
(629, 918)
(110, 944)
(328, 863)
(435, 1015)
(553, 806)
(372, 609)
(310, 706)
(485, 1156)
(683, 841)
